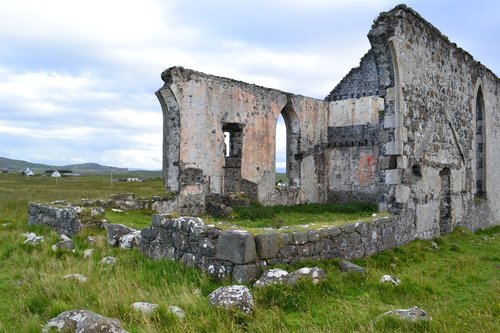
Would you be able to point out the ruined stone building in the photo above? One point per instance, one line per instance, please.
(415, 128)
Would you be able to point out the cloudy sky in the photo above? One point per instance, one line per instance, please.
(77, 78)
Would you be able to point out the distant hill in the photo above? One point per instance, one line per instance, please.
(15, 165)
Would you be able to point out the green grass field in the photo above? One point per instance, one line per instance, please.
(457, 284)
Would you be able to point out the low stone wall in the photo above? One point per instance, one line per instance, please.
(64, 219)
(68, 218)
(128, 201)
(240, 255)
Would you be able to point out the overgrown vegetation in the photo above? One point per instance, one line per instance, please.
(457, 283)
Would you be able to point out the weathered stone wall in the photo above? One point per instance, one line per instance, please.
(359, 82)
(65, 220)
(239, 255)
(127, 201)
(428, 144)
(353, 149)
(401, 129)
(207, 107)
(68, 219)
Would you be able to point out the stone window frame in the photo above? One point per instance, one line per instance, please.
(478, 99)
(293, 138)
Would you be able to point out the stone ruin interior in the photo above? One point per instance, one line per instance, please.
(415, 128)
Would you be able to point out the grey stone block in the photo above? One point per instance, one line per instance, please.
(347, 266)
(331, 231)
(149, 233)
(313, 235)
(245, 273)
(268, 245)
(159, 220)
(300, 237)
(348, 228)
(236, 246)
(116, 231)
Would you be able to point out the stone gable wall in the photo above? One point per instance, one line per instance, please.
(428, 151)
(359, 82)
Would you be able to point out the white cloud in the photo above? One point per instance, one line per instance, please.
(77, 78)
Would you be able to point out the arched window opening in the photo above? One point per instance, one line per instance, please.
(480, 144)
(288, 146)
(280, 153)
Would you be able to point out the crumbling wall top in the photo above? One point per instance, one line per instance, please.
(388, 19)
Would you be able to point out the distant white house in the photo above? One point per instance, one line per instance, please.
(134, 180)
(55, 174)
(28, 172)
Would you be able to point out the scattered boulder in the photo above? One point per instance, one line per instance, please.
(391, 279)
(97, 212)
(88, 253)
(272, 276)
(235, 297)
(116, 231)
(83, 321)
(279, 276)
(347, 267)
(177, 311)
(128, 241)
(145, 308)
(6, 225)
(115, 210)
(434, 246)
(32, 238)
(411, 314)
(315, 274)
(65, 244)
(109, 260)
(77, 277)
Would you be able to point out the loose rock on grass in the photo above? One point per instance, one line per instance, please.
(109, 260)
(411, 314)
(177, 311)
(347, 267)
(83, 321)
(77, 277)
(65, 244)
(234, 297)
(279, 276)
(390, 279)
(88, 253)
(144, 307)
(32, 238)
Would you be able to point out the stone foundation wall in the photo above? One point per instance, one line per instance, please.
(128, 201)
(65, 220)
(68, 219)
(241, 256)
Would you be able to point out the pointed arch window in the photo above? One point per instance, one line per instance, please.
(292, 154)
(480, 144)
